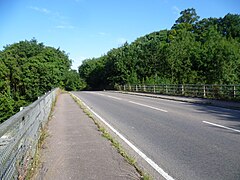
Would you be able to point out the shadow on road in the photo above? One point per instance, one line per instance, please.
(224, 116)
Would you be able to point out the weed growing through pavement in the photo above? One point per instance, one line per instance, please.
(36, 158)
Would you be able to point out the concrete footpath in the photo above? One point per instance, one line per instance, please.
(75, 148)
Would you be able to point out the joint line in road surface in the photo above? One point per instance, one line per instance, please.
(221, 126)
(140, 153)
(151, 107)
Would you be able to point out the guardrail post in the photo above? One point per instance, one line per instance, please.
(166, 89)
(182, 89)
(136, 88)
(234, 91)
(154, 90)
(144, 88)
(124, 87)
(204, 91)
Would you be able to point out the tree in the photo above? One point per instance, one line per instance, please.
(6, 101)
(188, 16)
(28, 70)
(193, 51)
(182, 55)
(221, 59)
(230, 26)
(73, 82)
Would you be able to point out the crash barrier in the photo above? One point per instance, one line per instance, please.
(19, 137)
(193, 90)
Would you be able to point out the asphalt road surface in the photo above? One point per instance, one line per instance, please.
(187, 141)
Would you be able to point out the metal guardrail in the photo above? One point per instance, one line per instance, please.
(19, 136)
(193, 90)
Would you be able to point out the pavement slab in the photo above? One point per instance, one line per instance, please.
(75, 149)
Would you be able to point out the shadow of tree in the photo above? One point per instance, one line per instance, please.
(224, 116)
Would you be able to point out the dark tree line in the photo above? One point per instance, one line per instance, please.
(28, 69)
(195, 51)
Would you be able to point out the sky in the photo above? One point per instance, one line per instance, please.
(90, 28)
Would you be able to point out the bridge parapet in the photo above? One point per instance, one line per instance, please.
(19, 136)
(215, 91)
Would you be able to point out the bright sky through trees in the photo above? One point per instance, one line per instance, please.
(90, 28)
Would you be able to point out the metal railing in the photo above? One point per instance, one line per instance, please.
(19, 136)
(193, 90)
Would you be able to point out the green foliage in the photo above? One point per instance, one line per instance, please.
(7, 106)
(182, 57)
(73, 82)
(193, 51)
(188, 16)
(230, 26)
(28, 69)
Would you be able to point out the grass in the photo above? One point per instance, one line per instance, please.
(114, 142)
(37, 157)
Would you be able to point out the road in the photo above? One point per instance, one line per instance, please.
(187, 141)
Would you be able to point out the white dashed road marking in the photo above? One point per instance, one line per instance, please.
(151, 107)
(221, 126)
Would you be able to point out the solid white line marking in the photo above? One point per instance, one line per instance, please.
(221, 126)
(140, 153)
(148, 106)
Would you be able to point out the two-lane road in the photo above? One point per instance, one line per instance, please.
(188, 141)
